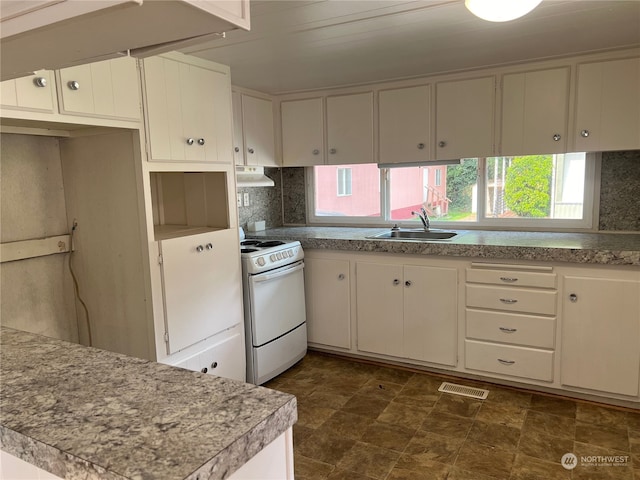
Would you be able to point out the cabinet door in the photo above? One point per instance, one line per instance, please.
(257, 123)
(431, 314)
(534, 112)
(379, 308)
(32, 93)
(202, 286)
(227, 357)
(601, 334)
(465, 118)
(608, 106)
(350, 129)
(404, 124)
(107, 89)
(302, 132)
(188, 111)
(238, 133)
(327, 295)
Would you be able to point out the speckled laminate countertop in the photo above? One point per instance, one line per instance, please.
(80, 412)
(595, 248)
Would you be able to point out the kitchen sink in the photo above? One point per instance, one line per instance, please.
(402, 234)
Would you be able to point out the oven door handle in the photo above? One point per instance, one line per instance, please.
(265, 277)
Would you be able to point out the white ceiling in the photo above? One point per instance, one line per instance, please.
(299, 45)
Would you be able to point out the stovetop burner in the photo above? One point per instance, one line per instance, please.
(260, 244)
(249, 242)
(271, 243)
(248, 250)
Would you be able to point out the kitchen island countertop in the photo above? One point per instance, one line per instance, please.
(81, 412)
(590, 248)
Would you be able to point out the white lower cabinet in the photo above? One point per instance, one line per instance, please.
(601, 331)
(328, 300)
(509, 360)
(407, 311)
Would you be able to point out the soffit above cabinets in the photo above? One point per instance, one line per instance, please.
(307, 44)
(52, 34)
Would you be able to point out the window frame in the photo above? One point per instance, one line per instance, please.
(341, 182)
(589, 222)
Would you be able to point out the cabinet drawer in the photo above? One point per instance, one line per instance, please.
(529, 330)
(508, 360)
(512, 299)
(512, 277)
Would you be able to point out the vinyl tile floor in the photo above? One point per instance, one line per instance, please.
(361, 421)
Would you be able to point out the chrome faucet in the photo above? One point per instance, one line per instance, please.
(424, 218)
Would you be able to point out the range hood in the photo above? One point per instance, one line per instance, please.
(252, 176)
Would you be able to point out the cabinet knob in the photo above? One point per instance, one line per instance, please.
(209, 246)
(204, 370)
(407, 283)
(421, 146)
(573, 298)
(442, 144)
(214, 364)
(199, 248)
(396, 281)
(201, 141)
(190, 141)
(341, 276)
(73, 85)
(316, 151)
(251, 150)
(556, 137)
(237, 149)
(584, 133)
(40, 82)
(333, 151)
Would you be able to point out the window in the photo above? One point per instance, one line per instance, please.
(535, 191)
(344, 182)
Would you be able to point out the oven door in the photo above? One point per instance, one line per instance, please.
(276, 299)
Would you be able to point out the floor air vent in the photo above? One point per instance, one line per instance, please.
(463, 390)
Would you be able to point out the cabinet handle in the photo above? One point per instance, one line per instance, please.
(315, 151)
(40, 82)
(442, 144)
(509, 301)
(341, 276)
(237, 149)
(556, 137)
(508, 330)
(584, 133)
(396, 281)
(199, 248)
(407, 283)
(204, 370)
(209, 246)
(506, 362)
(333, 151)
(421, 146)
(509, 279)
(73, 85)
(573, 298)
(250, 150)
(214, 365)
(201, 141)
(190, 141)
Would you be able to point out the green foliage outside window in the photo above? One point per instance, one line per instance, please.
(528, 185)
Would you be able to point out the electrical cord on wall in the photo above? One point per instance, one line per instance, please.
(76, 287)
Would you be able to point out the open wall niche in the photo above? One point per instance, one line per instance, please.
(187, 203)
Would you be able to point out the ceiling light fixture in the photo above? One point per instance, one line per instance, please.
(500, 10)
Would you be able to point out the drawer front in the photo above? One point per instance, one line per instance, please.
(512, 277)
(525, 300)
(508, 360)
(529, 330)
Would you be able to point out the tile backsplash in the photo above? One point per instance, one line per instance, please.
(619, 199)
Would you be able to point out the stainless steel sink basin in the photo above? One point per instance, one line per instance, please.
(432, 234)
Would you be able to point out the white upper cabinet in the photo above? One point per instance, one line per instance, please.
(350, 129)
(534, 112)
(253, 135)
(608, 106)
(302, 132)
(188, 110)
(103, 89)
(465, 118)
(404, 120)
(33, 93)
(65, 33)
